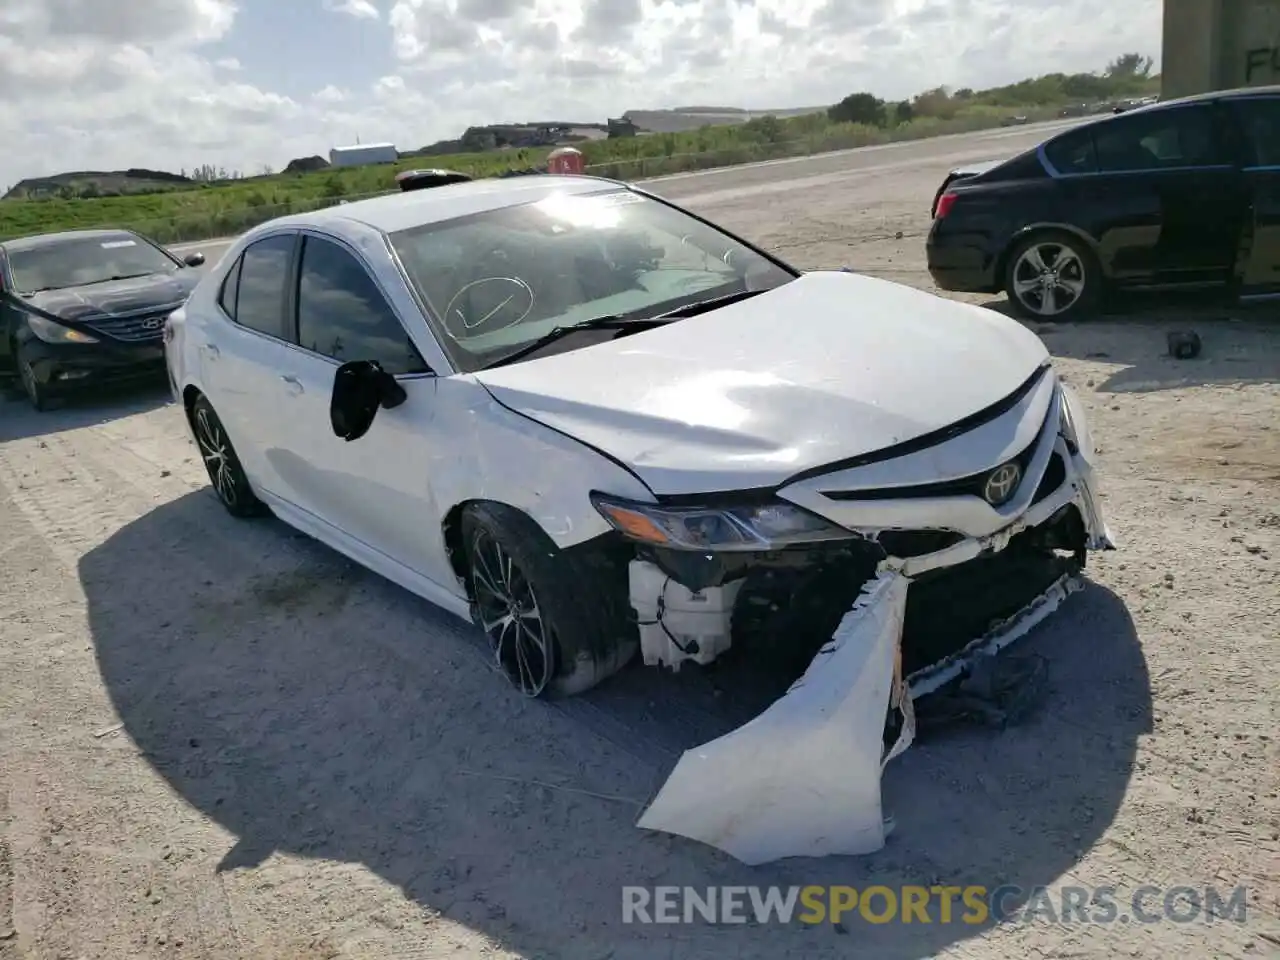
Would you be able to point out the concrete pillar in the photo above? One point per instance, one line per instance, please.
(1189, 60)
(1218, 45)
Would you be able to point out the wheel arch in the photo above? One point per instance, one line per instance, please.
(455, 547)
(1033, 229)
(190, 393)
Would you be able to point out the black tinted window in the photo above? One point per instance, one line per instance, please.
(1260, 122)
(263, 278)
(1072, 153)
(230, 287)
(342, 313)
(1158, 140)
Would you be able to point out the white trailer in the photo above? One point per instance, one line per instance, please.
(363, 153)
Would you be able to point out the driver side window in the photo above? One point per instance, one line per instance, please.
(343, 315)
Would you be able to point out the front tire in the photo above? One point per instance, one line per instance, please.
(1053, 277)
(555, 619)
(38, 394)
(226, 475)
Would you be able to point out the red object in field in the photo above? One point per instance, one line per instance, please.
(565, 160)
(945, 203)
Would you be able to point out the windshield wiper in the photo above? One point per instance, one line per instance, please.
(118, 276)
(705, 306)
(612, 321)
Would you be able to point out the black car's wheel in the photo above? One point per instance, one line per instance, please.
(37, 393)
(225, 473)
(1053, 276)
(554, 620)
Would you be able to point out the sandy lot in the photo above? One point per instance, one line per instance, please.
(220, 740)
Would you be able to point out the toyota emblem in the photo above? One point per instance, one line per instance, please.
(1002, 483)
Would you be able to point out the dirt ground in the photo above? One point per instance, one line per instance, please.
(220, 740)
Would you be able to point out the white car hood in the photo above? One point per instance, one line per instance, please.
(827, 367)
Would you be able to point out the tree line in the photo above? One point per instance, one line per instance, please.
(1127, 75)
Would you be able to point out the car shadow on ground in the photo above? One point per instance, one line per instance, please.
(1239, 344)
(19, 421)
(311, 708)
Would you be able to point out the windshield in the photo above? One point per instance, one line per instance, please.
(501, 279)
(74, 262)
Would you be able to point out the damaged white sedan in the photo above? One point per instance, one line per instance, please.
(596, 424)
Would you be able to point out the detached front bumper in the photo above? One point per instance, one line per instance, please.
(803, 778)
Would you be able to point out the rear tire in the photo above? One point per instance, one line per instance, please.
(556, 619)
(1053, 277)
(226, 475)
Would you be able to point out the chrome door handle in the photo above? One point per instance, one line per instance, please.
(294, 384)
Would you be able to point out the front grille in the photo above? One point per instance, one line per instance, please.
(139, 327)
(972, 485)
(949, 608)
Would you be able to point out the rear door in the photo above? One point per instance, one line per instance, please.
(241, 358)
(1183, 158)
(1159, 190)
(1258, 122)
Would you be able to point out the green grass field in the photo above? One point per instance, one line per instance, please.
(229, 207)
(217, 210)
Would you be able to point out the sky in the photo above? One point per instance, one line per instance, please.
(251, 84)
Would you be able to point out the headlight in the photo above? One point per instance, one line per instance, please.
(51, 332)
(1073, 427)
(717, 528)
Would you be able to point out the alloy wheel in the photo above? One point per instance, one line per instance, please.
(216, 451)
(1049, 278)
(510, 616)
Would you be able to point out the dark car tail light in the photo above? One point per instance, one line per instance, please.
(945, 203)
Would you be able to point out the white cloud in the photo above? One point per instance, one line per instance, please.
(93, 85)
(360, 9)
(227, 63)
(330, 95)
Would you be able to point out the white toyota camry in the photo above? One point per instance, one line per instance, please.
(595, 423)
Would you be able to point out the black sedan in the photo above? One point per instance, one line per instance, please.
(84, 306)
(1184, 193)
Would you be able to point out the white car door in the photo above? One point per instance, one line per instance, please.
(376, 490)
(242, 352)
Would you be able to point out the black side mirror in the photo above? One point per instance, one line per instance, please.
(193, 259)
(360, 387)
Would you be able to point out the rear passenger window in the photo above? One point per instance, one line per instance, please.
(1072, 153)
(1158, 140)
(263, 277)
(230, 287)
(1260, 122)
(343, 315)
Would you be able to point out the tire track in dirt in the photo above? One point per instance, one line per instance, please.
(8, 932)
